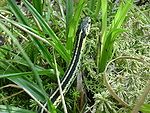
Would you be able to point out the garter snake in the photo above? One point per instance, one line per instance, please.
(69, 77)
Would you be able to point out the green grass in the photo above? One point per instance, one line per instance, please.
(39, 43)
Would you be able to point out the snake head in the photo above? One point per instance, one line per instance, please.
(85, 25)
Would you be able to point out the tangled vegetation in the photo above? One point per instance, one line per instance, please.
(37, 38)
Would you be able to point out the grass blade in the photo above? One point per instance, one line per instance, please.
(38, 6)
(8, 109)
(41, 72)
(74, 25)
(15, 9)
(69, 14)
(55, 40)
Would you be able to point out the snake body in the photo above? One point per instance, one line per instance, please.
(70, 75)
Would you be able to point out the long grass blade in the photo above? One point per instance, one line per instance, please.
(97, 9)
(121, 14)
(104, 19)
(56, 42)
(15, 9)
(38, 6)
(41, 72)
(69, 14)
(11, 109)
(73, 26)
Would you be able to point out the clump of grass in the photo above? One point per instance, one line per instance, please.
(41, 28)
